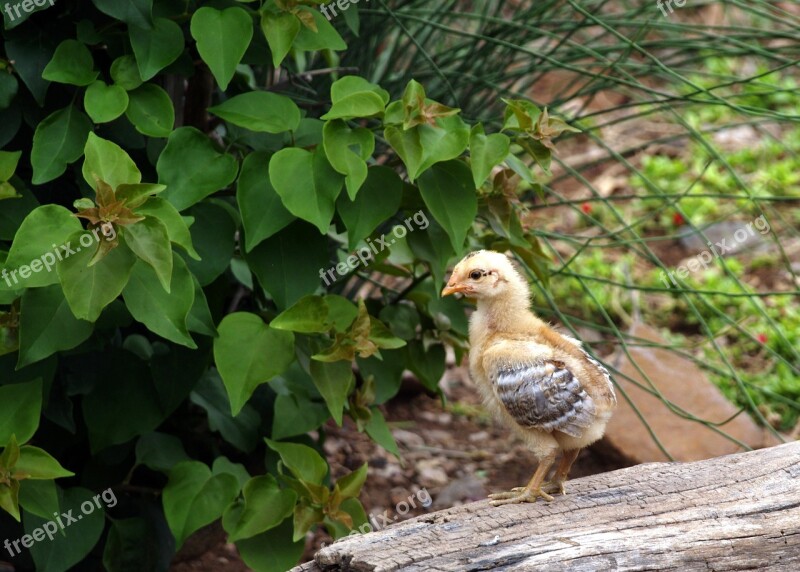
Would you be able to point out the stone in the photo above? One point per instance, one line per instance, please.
(685, 385)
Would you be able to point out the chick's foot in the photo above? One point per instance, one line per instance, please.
(518, 495)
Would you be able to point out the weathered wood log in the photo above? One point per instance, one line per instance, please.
(738, 512)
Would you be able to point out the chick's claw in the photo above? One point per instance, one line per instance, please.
(518, 495)
(554, 487)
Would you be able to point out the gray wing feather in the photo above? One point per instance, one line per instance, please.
(545, 396)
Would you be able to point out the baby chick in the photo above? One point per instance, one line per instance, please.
(539, 382)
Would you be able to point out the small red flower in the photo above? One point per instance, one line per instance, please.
(677, 219)
(586, 208)
(762, 338)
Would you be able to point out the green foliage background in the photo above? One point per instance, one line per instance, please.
(185, 339)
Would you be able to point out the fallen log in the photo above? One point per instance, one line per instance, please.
(738, 512)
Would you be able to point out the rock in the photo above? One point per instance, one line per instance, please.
(685, 385)
(727, 238)
(431, 474)
(479, 437)
(407, 438)
(464, 489)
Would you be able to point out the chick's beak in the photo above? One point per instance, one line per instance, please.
(452, 288)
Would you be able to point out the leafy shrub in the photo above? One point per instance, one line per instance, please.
(183, 237)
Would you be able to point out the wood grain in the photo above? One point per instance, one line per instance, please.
(738, 512)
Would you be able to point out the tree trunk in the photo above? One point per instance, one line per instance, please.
(738, 512)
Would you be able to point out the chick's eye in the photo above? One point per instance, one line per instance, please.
(475, 274)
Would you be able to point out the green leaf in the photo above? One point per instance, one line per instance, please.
(541, 154)
(72, 544)
(9, 499)
(30, 53)
(379, 432)
(126, 538)
(47, 325)
(71, 63)
(350, 485)
(263, 213)
(260, 111)
(89, 289)
(194, 498)
(348, 150)
(105, 103)
(307, 184)
(136, 194)
(149, 240)
(289, 264)
(150, 110)
(354, 96)
(132, 12)
(8, 164)
(40, 230)
(20, 408)
(301, 460)
(449, 194)
(222, 38)
(192, 168)
(125, 73)
(139, 399)
(37, 464)
(156, 48)
(163, 313)
(341, 311)
(200, 319)
(387, 373)
(108, 162)
(425, 145)
(334, 381)
(485, 153)
(242, 430)
(177, 229)
(159, 451)
(264, 507)
(378, 200)
(325, 38)
(57, 142)
(248, 353)
(433, 246)
(280, 30)
(39, 497)
(308, 315)
(213, 233)
(428, 364)
(273, 550)
(295, 415)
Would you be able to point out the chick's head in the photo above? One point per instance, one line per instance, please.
(485, 275)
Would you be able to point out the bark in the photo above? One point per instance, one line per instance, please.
(738, 512)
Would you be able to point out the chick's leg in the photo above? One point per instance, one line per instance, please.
(532, 491)
(557, 484)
